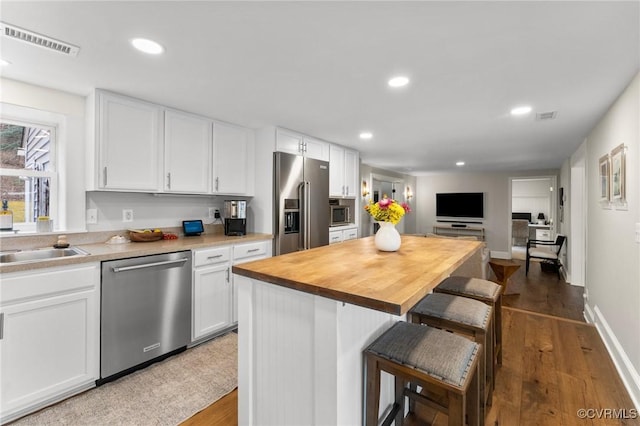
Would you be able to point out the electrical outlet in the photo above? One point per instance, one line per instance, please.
(127, 215)
(92, 215)
(212, 211)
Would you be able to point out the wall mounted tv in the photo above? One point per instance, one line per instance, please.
(463, 205)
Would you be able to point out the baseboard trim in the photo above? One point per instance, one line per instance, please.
(628, 373)
(500, 254)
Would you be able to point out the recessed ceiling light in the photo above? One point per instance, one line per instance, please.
(4, 62)
(399, 81)
(460, 163)
(366, 135)
(521, 110)
(147, 46)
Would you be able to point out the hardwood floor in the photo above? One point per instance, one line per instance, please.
(223, 412)
(553, 364)
(544, 293)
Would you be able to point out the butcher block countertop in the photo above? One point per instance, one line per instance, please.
(356, 272)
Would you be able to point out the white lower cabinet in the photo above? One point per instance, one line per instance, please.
(214, 295)
(243, 253)
(212, 292)
(543, 234)
(338, 235)
(49, 336)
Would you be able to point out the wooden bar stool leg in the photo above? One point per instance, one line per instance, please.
(498, 327)
(474, 400)
(373, 390)
(491, 363)
(457, 409)
(400, 385)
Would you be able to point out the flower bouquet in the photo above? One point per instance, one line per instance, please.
(387, 210)
(387, 213)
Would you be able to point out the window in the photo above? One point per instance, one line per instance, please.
(27, 171)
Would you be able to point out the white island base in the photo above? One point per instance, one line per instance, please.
(300, 357)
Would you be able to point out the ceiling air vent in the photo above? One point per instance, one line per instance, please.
(26, 36)
(540, 116)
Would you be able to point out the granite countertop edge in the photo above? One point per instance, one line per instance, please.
(99, 252)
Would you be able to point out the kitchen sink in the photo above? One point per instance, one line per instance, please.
(40, 254)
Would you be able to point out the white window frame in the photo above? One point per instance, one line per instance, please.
(29, 120)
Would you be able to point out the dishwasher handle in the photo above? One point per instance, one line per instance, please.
(149, 265)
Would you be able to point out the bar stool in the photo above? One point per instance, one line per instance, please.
(433, 359)
(484, 291)
(467, 317)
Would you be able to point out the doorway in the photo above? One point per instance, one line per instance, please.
(391, 187)
(532, 198)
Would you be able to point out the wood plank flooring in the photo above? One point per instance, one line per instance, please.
(553, 364)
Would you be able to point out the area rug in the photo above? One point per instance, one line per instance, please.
(165, 393)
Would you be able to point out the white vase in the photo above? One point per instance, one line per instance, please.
(387, 238)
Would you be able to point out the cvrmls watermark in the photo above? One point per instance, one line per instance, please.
(608, 413)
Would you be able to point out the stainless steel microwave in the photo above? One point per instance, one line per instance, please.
(340, 215)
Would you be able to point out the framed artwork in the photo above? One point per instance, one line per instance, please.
(604, 178)
(618, 174)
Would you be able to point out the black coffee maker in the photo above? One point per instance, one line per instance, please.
(235, 217)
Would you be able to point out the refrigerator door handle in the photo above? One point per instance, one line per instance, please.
(307, 215)
(302, 223)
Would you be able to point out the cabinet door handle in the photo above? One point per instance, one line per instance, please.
(252, 250)
(214, 257)
(104, 175)
(1, 325)
(347, 191)
(216, 184)
(169, 180)
(228, 275)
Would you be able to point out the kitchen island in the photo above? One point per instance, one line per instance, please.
(305, 317)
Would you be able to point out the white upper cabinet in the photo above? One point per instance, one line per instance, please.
(313, 148)
(289, 142)
(351, 173)
(129, 140)
(187, 153)
(233, 159)
(343, 172)
(295, 143)
(142, 147)
(336, 171)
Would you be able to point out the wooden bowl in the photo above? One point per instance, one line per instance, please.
(144, 237)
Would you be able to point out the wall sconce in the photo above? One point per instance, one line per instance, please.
(365, 190)
(408, 194)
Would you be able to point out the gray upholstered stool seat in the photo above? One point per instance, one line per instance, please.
(485, 291)
(430, 358)
(467, 317)
(479, 288)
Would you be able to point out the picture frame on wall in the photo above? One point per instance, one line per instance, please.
(618, 174)
(605, 166)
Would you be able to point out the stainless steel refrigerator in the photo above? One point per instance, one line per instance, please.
(301, 204)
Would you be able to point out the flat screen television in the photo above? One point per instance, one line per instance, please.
(467, 205)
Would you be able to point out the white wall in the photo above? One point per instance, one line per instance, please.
(613, 256)
(67, 112)
(531, 196)
(150, 211)
(497, 211)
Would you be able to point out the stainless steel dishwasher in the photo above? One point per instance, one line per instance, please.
(146, 311)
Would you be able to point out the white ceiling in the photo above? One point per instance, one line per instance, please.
(321, 68)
